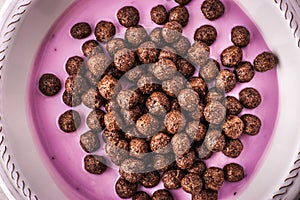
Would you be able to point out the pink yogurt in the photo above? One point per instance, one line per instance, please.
(62, 152)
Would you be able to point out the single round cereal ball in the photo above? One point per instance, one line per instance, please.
(188, 99)
(158, 103)
(156, 37)
(206, 33)
(49, 84)
(244, 72)
(181, 144)
(92, 99)
(226, 80)
(125, 189)
(76, 84)
(173, 86)
(164, 69)
(162, 194)
(233, 106)
(111, 136)
(150, 179)
(107, 86)
(71, 100)
(91, 47)
(202, 151)
(95, 120)
(105, 31)
(81, 30)
(147, 84)
(98, 64)
(112, 121)
(91, 78)
(213, 178)
(174, 121)
(140, 195)
(210, 70)
(198, 168)
(124, 60)
(117, 151)
(233, 127)
(214, 112)
(179, 14)
(233, 148)
(136, 35)
(147, 125)
(265, 61)
(182, 46)
(231, 56)
(160, 143)
(127, 99)
(214, 95)
(198, 53)
(240, 36)
(131, 170)
(205, 194)
(128, 16)
(250, 98)
(186, 160)
(192, 183)
(138, 148)
(147, 52)
(159, 14)
(162, 162)
(199, 86)
(89, 142)
(114, 45)
(233, 172)
(252, 124)
(168, 53)
(212, 9)
(172, 31)
(185, 67)
(196, 130)
(74, 65)
(95, 164)
(172, 179)
(215, 140)
(198, 113)
(183, 2)
(69, 121)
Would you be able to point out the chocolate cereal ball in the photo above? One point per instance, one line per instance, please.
(147, 52)
(90, 48)
(185, 67)
(150, 179)
(131, 170)
(173, 86)
(233, 172)
(111, 136)
(172, 179)
(171, 31)
(214, 112)
(147, 125)
(164, 69)
(69, 121)
(107, 86)
(233, 106)
(136, 35)
(92, 99)
(168, 53)
(198, 53)
(182, 46)
(112, 121)
(105, 31)
(210, 70)
(156, 37)
(95, 120)
(89, 142)
(186, 160)
(233, 127)
(71, 100)
(199, 86)
(265, 61)
(127, 99)
(215, 140)
(140, 195)
(233, 148)
(231, 56)
(117, 151)
(240, 36)
(128, 16)
(250, 98)
(196, 130)
(74, 65)
(158, 103)
(213, 178)
(114, 45)
(188, 99)
(207, 34)
(205, 194)
(147, 84)
(174, 122)
(192, 183)
(181, 144)
(138, 148)
(49, 84)
(76, 84)
(97, 64)
(226, 80)
(160, 143)
(95, 164)
(81, 30)
(125, 189)
(244, 72)
(162, 162)
(124, 60)
(162, 194)
(212, 9)
(183, 2)
(198, 168)
(179, 14)
(252, 124)
(159, 14)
